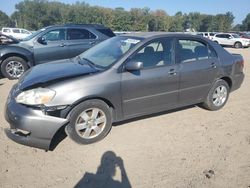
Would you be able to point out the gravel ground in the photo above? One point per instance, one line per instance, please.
(192, 147)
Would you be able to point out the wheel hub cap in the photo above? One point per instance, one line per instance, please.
(15, 69)
(220, 95)
(90, 123)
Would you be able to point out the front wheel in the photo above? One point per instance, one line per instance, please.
(89, 122)
(217, 96)
(13, 67)
(238, 45)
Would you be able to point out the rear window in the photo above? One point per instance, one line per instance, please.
(107, 32)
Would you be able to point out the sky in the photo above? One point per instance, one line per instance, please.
(239, 8)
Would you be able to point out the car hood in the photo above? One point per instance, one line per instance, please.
(56, 70)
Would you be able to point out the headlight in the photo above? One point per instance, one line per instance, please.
(36, 96)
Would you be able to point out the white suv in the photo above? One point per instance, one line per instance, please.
(208, 35)
(230, 39)
(15, 32)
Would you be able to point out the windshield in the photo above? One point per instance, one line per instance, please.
(33, 35)
(111, 50)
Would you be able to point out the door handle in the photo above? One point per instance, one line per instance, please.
(92, 42)
(172, 72)
(62, 45)
(213, 65)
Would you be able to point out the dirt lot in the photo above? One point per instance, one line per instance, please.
(188, 148)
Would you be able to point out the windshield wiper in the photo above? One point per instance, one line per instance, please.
(79, 60)
(88, 61)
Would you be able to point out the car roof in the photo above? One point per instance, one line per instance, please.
(97, 26)
(157, 34)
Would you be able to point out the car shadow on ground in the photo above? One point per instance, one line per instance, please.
(154, 115)
(105, 173)
(61, 135)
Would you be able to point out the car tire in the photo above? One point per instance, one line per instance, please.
(13, 67)
(89, 122)
(217, 96)
(237, 45)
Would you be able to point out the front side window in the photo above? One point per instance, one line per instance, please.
(236, 36)
(156, 53)
(78, 34)
(55, 35)
(191, 50)
(110, 51)
(24, 32)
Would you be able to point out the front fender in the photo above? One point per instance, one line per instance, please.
(24, 53)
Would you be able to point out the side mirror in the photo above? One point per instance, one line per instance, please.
(230, 37)
(134, 66)
(41, 40)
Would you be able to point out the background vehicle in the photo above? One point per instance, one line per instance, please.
(244, 35)
(17, 33)
(4, 39)
(208, 35)
(48, 44)
(123, 77)
(228, 39)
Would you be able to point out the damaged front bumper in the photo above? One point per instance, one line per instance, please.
(29, 126)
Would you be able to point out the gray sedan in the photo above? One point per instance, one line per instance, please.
(121, 78)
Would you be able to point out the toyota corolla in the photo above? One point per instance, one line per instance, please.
(121, 78)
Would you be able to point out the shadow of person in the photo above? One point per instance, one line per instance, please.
(105, 173)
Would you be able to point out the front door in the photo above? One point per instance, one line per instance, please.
(54, 47)
(155, 87)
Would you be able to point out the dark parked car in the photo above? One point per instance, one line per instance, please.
(48, 44)
(123, 77)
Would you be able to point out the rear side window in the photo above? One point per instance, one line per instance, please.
(16, 31)
(220, 36)
(78, 34)
(107, 32)
(191, 50)
(212, 53)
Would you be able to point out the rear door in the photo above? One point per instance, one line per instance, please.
(198, 69)
(79, 40)
(155, 87)
(54, 48)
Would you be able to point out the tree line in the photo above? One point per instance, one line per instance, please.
(36, 14)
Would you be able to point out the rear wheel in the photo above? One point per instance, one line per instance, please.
(238, 45)
(89, 122)
(13, 67)
(217, 96)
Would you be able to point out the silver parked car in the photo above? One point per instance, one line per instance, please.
(123, 77)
